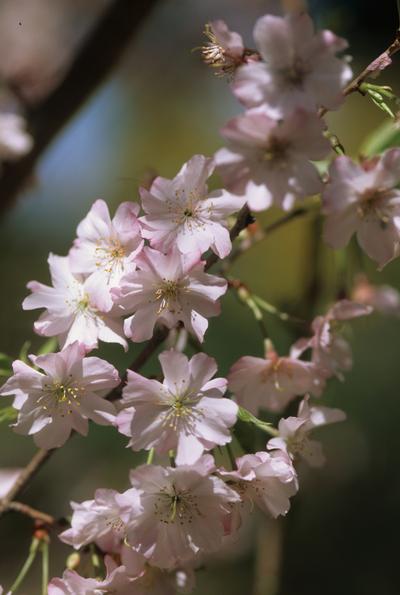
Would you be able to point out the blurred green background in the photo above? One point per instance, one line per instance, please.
(159, 107)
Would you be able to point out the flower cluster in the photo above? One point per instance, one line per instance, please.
(271, 146)
(147, 267)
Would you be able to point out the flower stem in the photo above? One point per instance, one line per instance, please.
(150, 456)
(231, 456)
(45, 566)
(171, 455)
(33, 550)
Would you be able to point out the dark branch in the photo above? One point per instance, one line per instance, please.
(95, 59)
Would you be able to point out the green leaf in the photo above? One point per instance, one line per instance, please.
(6, 372)
(383, 137)
(8, 414)
(48, 346)
(5, 358)
(248, 417)
(23, 354)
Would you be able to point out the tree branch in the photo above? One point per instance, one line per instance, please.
(356, 83)
(244, 219)
(95, 59)
(33, 513)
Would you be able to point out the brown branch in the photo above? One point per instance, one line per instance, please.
(160, 334)
(38, 459)
(33, 513)
(299, 212)
(95, 59)
(356, 83)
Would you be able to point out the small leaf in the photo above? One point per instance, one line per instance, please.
(248, 417)
(8, 414)
(6, 372)
(5, 358)
(48, 346)
(23, 354)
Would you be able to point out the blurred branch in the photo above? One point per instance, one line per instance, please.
(91, 64)
(380, 63)
(37, 515)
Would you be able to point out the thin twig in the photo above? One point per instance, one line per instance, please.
(93, 61)
(270, 228)
(38, 459)
(33, 513)
(356, 83)
(244, 219)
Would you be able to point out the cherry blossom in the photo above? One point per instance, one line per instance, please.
(107, 248)
(267, 480)
(300, 67)
(63, 396)
(294, 432)
(382, 298)
(363, 199)
(182, 212)
(116, 582)
(272, 382)
(76, 308)
(330, 351)
(268, 160)
(169, 288)
(186, 413)
(225, 50)
(8, 477)
(14, 139)
(102, 520)
(182, 514)
(151, 581)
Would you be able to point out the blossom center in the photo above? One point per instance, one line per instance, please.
(109, 256)
(181, 412)
(174, 506)
(166, 293)
(372, 203)
(61, 397)
(296, 73)
(276, 150)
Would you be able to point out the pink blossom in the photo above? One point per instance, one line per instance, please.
(76, 308)
(151, 581)
(8, 477)
(363, 199)
(182, 212)
(14, 139)
(272, 382)
(169, 288)
(107, 248)
(382, 298)
(182, 514)
(186, 413)
(331, 353)
(300, 67)
(268, 160)
(63, 396)
(225, 50)
(116, 582)
(264, 479)
(102, 520)
(294, 432)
